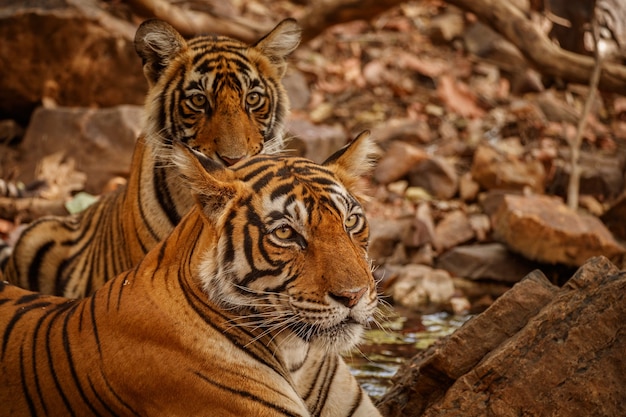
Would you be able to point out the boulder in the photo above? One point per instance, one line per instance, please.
(494, 169)
(421, 288)
(66, 52)
(397, 162)
(437, 176)
(491, 261)
(99, 141)
(543, 229)
(453, 229)
(538, 350)
(313, 141)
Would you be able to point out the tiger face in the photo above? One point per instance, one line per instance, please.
(292, 250)
(219, 96)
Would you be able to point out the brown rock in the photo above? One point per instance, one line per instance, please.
(567, 361)
(601, 174)
(406, 130)
(314, 141)
(397, 161)
(453, 229)
(615, 217)
(497, 170)
(385, 235)
(70, 53)
(468, 188)
(100, 141)
(538, 350)
(544, 229)
(424, 380)
(435, 175)
(491, 261)
(421, 288)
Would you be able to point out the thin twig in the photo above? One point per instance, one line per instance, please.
(573, 188)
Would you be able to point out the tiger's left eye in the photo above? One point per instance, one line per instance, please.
(352, 221)
(253, 99)
(198, 100)
(284, 233)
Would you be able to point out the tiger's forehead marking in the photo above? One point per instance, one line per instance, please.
(294, 188)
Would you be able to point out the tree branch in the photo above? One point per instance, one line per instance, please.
(547, 57)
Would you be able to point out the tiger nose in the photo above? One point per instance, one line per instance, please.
(349, 298)
(230, 161)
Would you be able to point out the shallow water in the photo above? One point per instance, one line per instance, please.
(385, 350)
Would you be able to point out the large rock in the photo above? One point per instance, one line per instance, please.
(537, 351)
(491, 261)
(99, 141)
(497, 170)
(68, 52)
(544, 229)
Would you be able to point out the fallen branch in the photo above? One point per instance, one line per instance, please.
(323, 14)
(31, 208)
(191, 23)
(547, 57)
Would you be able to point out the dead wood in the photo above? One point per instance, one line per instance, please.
(547, 57)
(323, 14)
(31, 208)
(190, 23)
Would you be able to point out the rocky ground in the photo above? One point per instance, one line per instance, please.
(468, 197)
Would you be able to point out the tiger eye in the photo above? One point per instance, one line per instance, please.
(284, 232)
(253, 99)
(198, 100)
(351, 221)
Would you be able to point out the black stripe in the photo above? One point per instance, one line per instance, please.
(33, 268)
(249, 395)
(27, 395)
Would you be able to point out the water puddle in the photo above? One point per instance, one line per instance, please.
(385, 350)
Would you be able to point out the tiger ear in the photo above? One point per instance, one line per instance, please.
(354, 160)
(212, 185)
(157, 43)
(280, 42)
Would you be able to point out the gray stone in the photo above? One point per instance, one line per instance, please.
(100, 141)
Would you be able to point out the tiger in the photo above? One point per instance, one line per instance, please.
(221, 97)
(243, 310)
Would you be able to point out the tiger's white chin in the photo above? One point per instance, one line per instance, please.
(339, 338)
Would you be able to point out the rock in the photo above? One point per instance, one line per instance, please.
(497, 170)
(454, 228)
(406, 130)
(397, 162)
(601, 174)
(436, 175)
(468, 188)
(295, 84)
(544, 229)
(421, 288)
(446, 27)
(385, 235)
(314, 141)
(424, 380)
(70, 53)
(615, 217)
(100, 141)
(491, 261)
(538, 350)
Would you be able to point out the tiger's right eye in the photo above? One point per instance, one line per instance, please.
(284, 232)
(198, 100)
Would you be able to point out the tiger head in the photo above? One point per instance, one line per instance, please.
(217, 95)
(291, 243)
